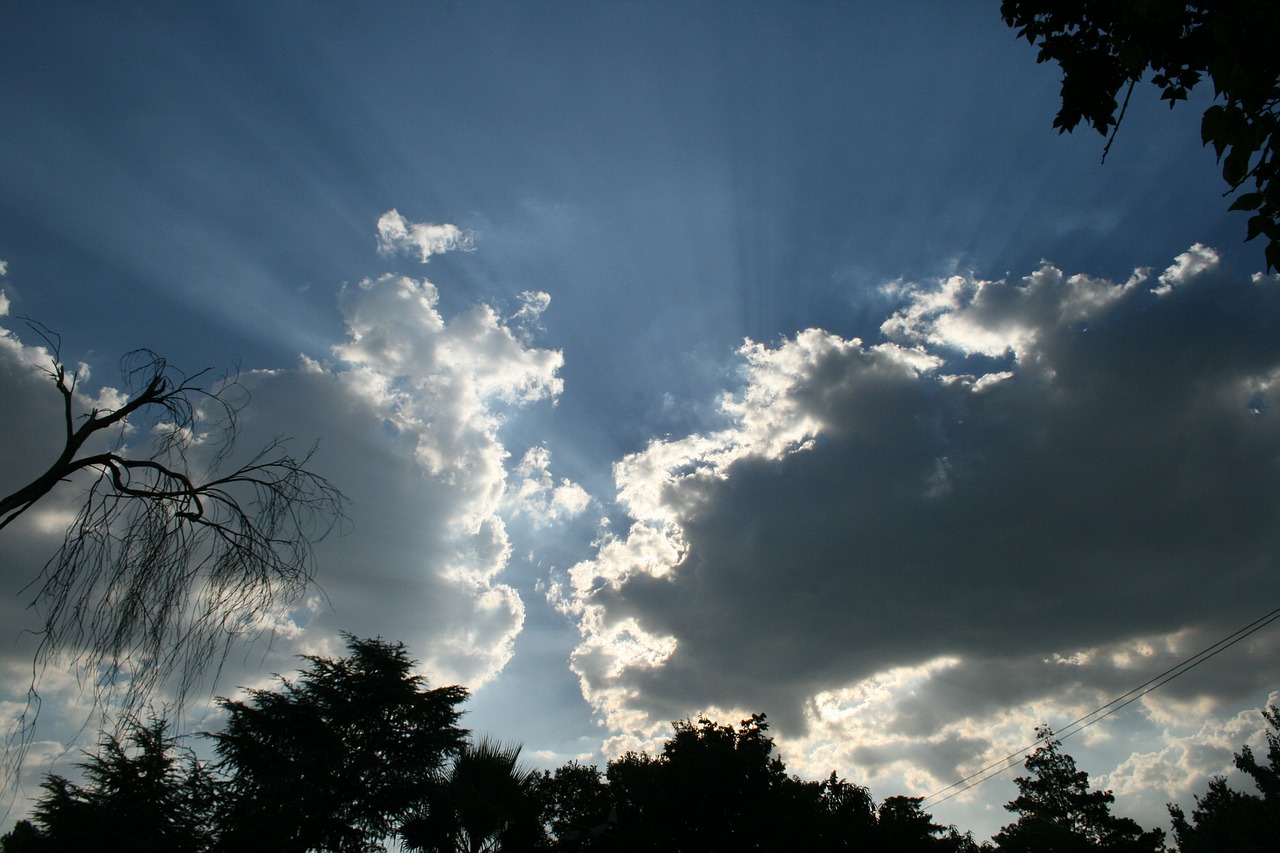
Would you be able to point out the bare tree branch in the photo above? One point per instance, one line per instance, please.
(165, 565)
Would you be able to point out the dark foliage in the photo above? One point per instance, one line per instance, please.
(1104, 46)
(903, 827)
(358, 750)
(719, 788)
(1059, 813)
(713, 787)
(1226, 819)
(142, 794)
(485, 803)
(576, 806)
(23, 838)
(336, 760)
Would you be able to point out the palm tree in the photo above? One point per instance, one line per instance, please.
(484, 804)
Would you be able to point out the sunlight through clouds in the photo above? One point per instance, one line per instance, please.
(892, 547)
(410, 405)
(786, 360)
(414, 404)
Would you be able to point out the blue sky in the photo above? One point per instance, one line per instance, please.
(789, 361)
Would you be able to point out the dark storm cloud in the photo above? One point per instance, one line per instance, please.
(1114, 479)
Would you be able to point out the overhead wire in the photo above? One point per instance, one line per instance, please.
(1097, 715)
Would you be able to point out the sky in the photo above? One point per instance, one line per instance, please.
(676, 359)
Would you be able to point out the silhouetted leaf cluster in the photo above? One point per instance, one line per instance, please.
(144, 793)
(1226, 819)
(337, 759)
(485, 801)
(1104, 46)
(717, 788)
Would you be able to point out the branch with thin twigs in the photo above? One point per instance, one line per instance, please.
(165, 565)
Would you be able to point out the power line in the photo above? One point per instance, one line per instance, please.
(1000, 766)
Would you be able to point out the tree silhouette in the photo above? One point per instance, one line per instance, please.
(166, 561)
(24, 838)
(1059, 813)
(143, 794)
(713, 788)
(1104, 46)
(834, 815)
(1226, 819)
(719, 788)
(339, 758)
(577, 807)
(485, 804)
(903, 827)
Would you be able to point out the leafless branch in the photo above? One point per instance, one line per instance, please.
(164, 566)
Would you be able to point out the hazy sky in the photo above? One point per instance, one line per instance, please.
(679, 358)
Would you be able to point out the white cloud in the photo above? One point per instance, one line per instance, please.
(1191, 263)
(535, 493)
(995, 318)
(397, 234)
(409, 416)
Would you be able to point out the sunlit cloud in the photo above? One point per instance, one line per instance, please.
(408, 411)
(397, 234)
(898, 550)
(533, 491)
(1191, 263)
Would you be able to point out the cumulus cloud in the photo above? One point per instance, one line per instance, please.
(407, 411)
(1186, 267)
(410, 411)
(1028, 498)
(533, 491)
(999, 318)
(397, 234)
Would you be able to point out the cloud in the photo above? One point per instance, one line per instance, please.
(999, 318)
(535, 493)
(1028, 498)
(1186, 267)
(408, 411)
(397, 234)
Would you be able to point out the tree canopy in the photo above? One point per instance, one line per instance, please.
(1104, 46)
(337, 759)
(358, 751)
(334, 761)
(715, 787)
(1227, 819)
(143, 793)
(1058, 812)
(486, 802)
